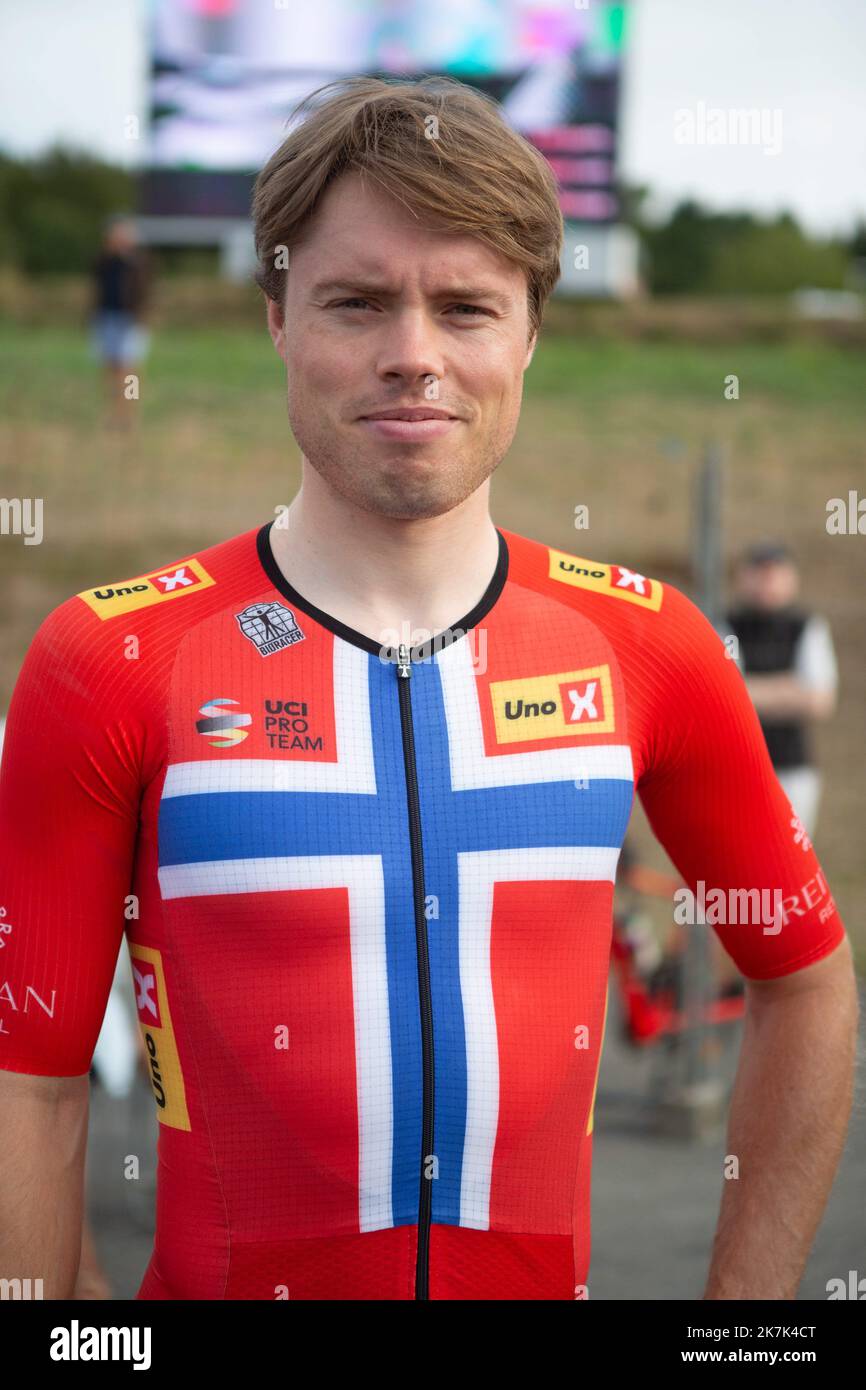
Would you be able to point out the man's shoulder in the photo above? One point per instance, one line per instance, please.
(168, 598)
(196, 578)
(584, 582)
(646, 618)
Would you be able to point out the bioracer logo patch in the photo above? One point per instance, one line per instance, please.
(614, 580)
(271, 627)
(556, 706)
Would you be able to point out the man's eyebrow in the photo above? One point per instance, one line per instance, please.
(457, 292)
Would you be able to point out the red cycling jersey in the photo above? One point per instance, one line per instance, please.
(367, 898)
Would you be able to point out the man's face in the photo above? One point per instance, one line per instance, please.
(771, 585)
(381, 313)
(121, 237)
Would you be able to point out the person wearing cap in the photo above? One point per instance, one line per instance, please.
(787, 657)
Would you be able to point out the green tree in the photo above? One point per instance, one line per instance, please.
(53, 209)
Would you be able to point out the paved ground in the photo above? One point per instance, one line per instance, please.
(655, 1200)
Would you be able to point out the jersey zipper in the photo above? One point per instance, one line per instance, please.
(425, 1196)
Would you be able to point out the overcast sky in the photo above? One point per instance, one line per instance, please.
(77, 71)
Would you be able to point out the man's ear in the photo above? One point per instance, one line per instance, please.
(533, 343)
(277, 327)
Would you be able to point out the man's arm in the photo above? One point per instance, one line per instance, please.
(42, 1179)
(69, 795)
(809, 690)
(716, 805)
(784, 696)
(788, 1118)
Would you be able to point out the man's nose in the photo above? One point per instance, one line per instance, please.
(410, 346)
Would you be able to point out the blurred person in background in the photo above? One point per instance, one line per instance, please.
(122, 276)
(789, 663)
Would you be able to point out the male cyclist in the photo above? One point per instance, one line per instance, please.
(354, 785)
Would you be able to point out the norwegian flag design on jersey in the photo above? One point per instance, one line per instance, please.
(291, 884)
(525, 784)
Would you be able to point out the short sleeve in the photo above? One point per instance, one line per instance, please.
(715, 803)
(815, 657)
(69, 798)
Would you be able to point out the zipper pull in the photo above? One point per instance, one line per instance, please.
(404, 666)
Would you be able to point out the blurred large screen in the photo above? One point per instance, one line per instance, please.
(227, 73)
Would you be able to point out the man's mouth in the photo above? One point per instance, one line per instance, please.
(416, 412)
(410, 424)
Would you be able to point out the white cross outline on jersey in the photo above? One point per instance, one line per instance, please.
(362, 876)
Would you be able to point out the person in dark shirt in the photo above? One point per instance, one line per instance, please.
(787, 658)
(121, 294)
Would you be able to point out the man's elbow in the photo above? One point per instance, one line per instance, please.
(51, 1090)
(833, 976)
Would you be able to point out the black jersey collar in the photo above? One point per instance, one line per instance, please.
(359, 639)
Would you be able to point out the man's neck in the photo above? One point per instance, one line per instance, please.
(382, 576)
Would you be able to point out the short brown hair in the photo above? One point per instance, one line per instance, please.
(476, 175)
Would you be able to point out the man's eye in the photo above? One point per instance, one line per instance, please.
(474, 309)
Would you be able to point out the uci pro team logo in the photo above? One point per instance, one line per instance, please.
(221, 726)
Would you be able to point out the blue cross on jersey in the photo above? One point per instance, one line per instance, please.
(239, 826)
